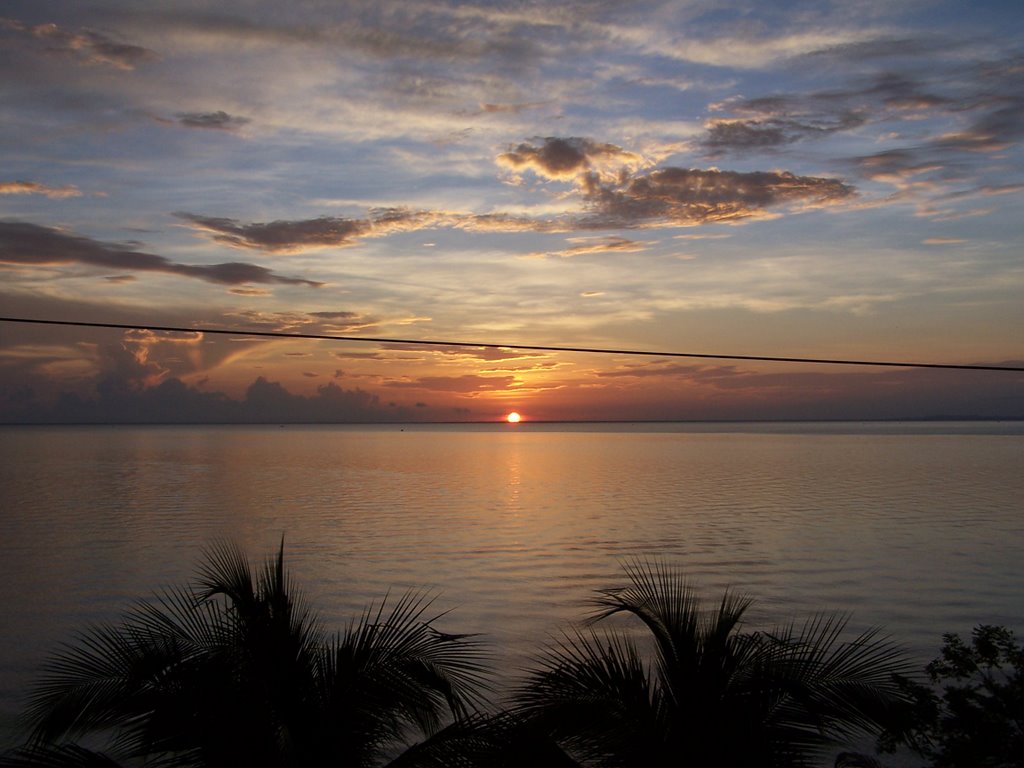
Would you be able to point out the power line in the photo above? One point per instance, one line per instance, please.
(524, 347)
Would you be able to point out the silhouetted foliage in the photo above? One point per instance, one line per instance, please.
(712, 694)
(972, 716)
(62, 756)
(235, 670)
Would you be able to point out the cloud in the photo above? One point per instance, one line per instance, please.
(35, 188)
(585, 246)
(568, 158)
(660, 370)
(620, 192)
(23, 243)
(331, 323)
(337, 315)
(730, 392)
(219, 120)
(249, 291)
(663, 197)
(986, 95)
(126, 368)
(514, 109)
(881, 48)
(932, 126)
(360, 356)
(686, 197)
(617, 189)
(118, 399)
(490, 354)
(944, 241)
(306, 234)
(85, 46)
(504, 222)
(286, 236)
(787, 118)
(893, 165)
(342, 321)
(737, 135)
(468, 384)
(301, 235)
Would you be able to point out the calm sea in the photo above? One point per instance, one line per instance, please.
(916, 527)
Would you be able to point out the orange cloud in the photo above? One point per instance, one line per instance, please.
(34, 188)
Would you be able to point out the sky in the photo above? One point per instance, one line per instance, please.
(838, 180)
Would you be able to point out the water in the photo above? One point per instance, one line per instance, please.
(915, 527)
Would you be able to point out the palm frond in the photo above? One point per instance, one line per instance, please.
(592, 693)
(391, 669)
(63, 756)
(226, 571)
(835, 687)
(482, 741)
(714, 692)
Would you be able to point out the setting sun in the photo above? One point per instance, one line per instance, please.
(513, 418)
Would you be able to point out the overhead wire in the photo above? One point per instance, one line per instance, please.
(513, 346)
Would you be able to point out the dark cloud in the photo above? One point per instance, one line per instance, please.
(882, 48)
(621, 194)
(780, 119)
(894, 163)
(994, 130)
(118, 401)
(35, 188)
(219, 120)
(126, 368)
(659, 198)
(280, 235)
(342, 315)
(750, 134)
(683, 197)
(300, 235)
(862, 98)
(616, 192)
(28, 244)
(736, 393)
(936, 122)
(85, 46)
(897, 91)
(558, 158)
(305, 234)
(510, 35)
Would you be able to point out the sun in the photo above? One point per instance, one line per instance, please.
(513, 418)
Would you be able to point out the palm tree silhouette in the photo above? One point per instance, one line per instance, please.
(235, 670)
(711, 694)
